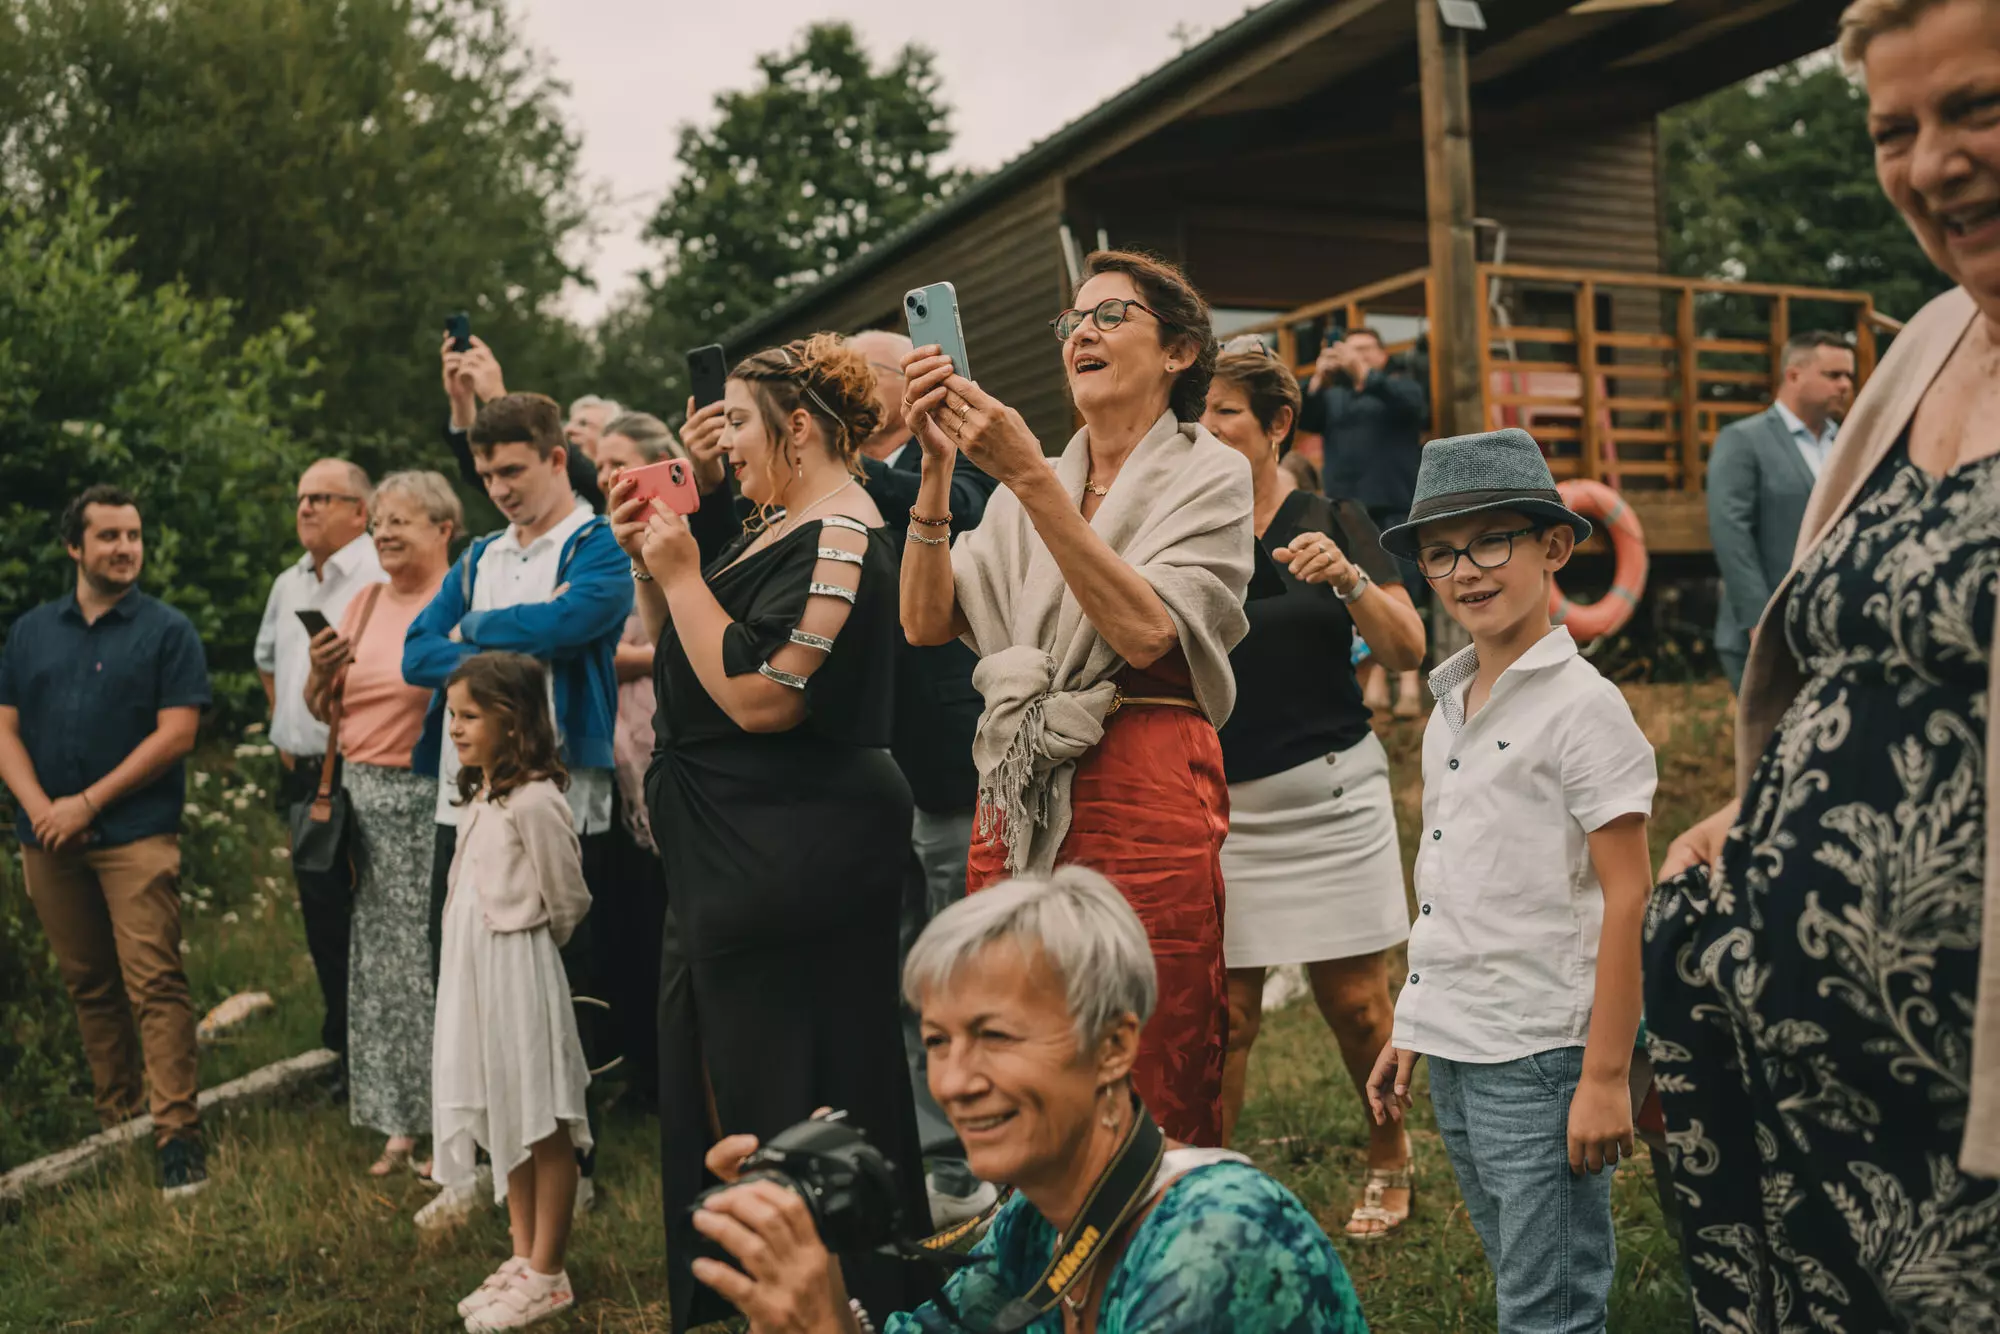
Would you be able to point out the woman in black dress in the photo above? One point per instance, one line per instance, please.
(1819, 1002)
(783, 822)
(1311, 865)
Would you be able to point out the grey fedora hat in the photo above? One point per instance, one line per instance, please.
(1493, 470)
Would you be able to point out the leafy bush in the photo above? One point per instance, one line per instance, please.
(101, 381)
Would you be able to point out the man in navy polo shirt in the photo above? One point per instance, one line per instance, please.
(100, 695)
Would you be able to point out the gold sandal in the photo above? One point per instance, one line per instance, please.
(1379, 1183)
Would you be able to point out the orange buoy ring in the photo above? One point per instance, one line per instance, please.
(1606, 509)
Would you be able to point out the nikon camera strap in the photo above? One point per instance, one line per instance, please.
(1114, 1201)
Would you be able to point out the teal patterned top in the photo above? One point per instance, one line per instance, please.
(1226, 1248)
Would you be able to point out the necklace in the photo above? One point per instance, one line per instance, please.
(792, 522)
(1091, 488)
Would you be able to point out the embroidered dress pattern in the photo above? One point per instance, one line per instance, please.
(1810, 1008)
(389, 996)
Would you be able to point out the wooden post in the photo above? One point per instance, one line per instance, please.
(1447, 101)
(1691, 464)
(1781, 333)
(1586, 367)
(1864, 343)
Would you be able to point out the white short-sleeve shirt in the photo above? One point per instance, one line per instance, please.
(1503, 954)
(510, 575)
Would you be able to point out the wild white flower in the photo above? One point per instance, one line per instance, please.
(229, 916)
(282, 854)
(201, 778)
(254, 729)
(187, 947)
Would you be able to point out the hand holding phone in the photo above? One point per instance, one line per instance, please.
(670, 481)
(458, 325)
(708, 374)
(314, 621)
(934, 318)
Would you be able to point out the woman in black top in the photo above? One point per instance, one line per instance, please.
(783, 822)
(1311, 863)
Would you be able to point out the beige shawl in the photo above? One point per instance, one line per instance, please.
(1179, 514)
(1772, 680)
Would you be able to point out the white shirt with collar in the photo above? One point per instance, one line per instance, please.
(1812, 448)
(510, 575)
(284, 649)
(1503, 954)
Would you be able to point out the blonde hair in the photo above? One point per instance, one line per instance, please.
(431, 493)
(1865, 20)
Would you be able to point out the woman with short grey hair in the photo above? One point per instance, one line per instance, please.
(1032, 994)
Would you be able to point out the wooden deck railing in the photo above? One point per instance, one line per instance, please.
(1609, 370)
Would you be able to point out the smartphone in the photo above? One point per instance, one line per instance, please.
(707, 373)
(1335, 334)
(670, 481)
(459, 325)
(313, 621)
(933, 315)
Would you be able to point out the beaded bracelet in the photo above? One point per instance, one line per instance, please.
(915, 517)
(860, 1314)
(913, 535)
(640, 573)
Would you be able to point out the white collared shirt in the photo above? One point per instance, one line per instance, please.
(284, 649)
(1503, 954)
(510, 575)
(1812, 448)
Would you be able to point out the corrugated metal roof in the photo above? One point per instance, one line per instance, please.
(1220, 46)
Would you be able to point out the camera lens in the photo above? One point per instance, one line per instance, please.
(911, 301)
(922, 310)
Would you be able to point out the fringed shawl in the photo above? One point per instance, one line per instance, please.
(1179, 513)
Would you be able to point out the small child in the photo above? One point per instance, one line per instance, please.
(1532, 880)
(507, 1066)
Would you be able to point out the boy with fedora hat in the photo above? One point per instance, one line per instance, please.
(1532, 880)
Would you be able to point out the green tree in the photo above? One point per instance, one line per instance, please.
(105, 379)
(377, 163)
(1773, 180)
(824, 157)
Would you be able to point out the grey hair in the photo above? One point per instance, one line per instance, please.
(1074, 920)
(357, 477)
(610, 406)
(648, 434)
(431, 492)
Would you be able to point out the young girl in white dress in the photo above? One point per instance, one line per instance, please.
(508, 1072)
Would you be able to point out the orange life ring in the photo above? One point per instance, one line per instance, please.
(1607, 510)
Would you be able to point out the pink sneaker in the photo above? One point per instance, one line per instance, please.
(495, 1281)
(525, 1298)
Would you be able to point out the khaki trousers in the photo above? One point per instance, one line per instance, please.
(113, 917)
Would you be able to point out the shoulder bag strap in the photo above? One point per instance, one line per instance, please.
(322, 806)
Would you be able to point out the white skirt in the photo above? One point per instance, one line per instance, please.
(507, 1066)
(1310, 869)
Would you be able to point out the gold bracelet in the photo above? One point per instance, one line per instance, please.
(912, 535)
(915, 517)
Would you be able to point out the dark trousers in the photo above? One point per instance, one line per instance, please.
(630, 911)
(326, 902)
(581, 956)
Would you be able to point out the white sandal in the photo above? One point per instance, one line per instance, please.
(1379, 1183)
(487, 1291)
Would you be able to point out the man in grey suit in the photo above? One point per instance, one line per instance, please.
(1760, 473)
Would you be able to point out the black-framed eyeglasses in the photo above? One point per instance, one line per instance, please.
(319, 500)
(1489, 551)
(1108, 313)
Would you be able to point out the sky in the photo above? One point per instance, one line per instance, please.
(1012, 70)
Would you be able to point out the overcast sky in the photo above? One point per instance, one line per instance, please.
(1013, 71)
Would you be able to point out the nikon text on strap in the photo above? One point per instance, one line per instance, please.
(1114, 1201)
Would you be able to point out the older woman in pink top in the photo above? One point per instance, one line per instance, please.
(416, 515)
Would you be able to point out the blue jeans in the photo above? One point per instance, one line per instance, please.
(1546, 1230)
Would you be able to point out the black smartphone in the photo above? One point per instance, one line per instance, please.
(707, 373)
(314, 621)
(459, 325)
(1335, 333)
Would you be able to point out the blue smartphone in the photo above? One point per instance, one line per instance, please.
(933, 315)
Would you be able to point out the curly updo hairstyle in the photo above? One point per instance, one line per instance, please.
(1183, 315)
(824, 376)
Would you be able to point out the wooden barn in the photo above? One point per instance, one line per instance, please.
(1493, 190)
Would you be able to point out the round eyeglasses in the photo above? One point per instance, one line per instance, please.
(1108, 313)
(1488, 551)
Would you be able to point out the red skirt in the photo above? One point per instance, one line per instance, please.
(1148, 810)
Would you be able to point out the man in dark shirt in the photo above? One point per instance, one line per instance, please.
(1372, 421)
(473, 377)
(100, 695)
(936, 712)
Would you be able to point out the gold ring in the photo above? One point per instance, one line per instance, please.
(964, 410)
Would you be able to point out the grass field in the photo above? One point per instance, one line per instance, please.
(292, 1235)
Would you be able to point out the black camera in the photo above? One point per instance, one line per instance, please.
(847, 1184)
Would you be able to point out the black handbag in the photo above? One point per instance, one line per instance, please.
(320, 827)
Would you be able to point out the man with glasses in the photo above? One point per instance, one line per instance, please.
(339, 561)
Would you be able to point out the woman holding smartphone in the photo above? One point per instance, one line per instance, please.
(783, 822)
(1103, 596)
